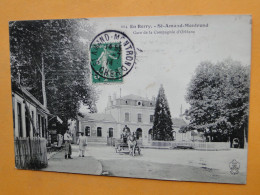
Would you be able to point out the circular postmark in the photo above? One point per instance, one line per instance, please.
(112, 56)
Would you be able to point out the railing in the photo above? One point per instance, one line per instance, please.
(111, 141)
(212, 145)
(190, 144)
(30, 153)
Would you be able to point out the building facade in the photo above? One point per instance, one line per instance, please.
(97, 126)
(23, 121)
(135, 112)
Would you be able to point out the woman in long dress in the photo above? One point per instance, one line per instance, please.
(82, 142)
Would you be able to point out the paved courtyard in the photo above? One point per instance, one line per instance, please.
(187, 165)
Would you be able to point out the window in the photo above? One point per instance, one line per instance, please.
(110, 132)
(43, 127)
(126, 102)
(87, 131)
(127, 117)
(27, 123)
(139, 103)
(139, 118)
(99, 132)
(151, 118)
(39, 124)
(33, 121)
(19, 114)
(14, 117)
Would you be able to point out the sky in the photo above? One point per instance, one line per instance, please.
(171, 59)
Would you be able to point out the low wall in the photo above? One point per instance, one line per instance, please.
(30, 153)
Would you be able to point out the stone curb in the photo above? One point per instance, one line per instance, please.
(99, 169)
(49, 156)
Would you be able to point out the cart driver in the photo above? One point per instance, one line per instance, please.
(126, 132)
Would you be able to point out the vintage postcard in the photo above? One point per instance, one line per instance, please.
(161, 97)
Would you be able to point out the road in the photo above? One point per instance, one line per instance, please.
(185, 165)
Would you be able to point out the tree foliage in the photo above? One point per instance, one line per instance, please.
(162, 126)
(218, 95)
(51, 57)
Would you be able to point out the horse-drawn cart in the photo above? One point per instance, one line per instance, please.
(122, 146)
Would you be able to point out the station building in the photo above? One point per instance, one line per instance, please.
(134, 111)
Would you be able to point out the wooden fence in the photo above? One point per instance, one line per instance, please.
(30, 153)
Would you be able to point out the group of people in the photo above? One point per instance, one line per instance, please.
(82, 142)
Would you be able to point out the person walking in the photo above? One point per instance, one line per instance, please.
(82, 142)
(59, 140)
(67, 139)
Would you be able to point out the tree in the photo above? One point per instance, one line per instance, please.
(52, 60)
(162, 126)
(218, 95)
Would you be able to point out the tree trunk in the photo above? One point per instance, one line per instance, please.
(245, 142)
(43, 85)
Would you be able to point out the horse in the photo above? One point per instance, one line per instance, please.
(132, 143)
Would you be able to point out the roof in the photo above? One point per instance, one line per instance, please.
(99, 117)
(28, 96)
(178, 122)
(134, 97)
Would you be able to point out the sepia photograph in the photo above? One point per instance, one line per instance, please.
(155, 97)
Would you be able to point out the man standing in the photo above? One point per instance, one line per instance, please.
(67, 139)
(82, 142)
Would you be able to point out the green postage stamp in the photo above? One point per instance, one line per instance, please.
(112, 56)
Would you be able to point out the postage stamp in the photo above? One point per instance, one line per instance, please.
(112, 56)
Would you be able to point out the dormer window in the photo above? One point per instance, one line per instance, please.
(139, 103)
(126, 102)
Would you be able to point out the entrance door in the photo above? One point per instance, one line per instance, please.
(87, 131)
(139, 133)
(150, 134)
